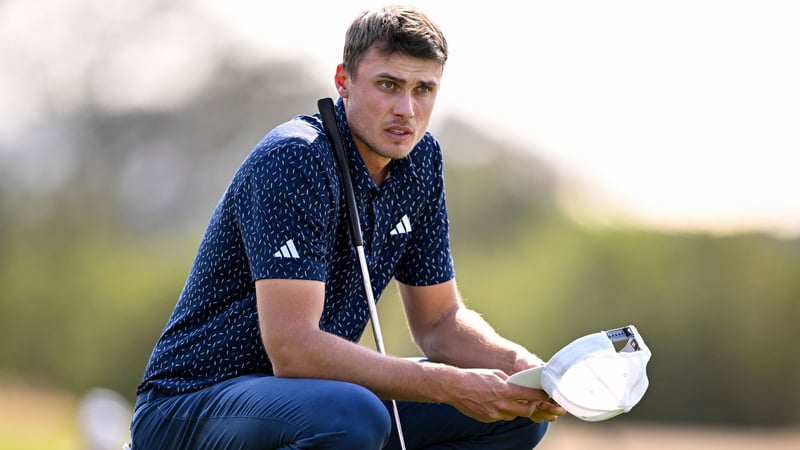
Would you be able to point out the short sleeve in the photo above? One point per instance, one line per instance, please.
(285, 209)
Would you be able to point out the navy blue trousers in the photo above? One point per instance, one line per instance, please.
(258, 412)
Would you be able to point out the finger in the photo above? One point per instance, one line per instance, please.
(538, 411)
(552, 401)
(552, 409)
(529, 395)
(543, 411)
(543, 418)
(544, 414)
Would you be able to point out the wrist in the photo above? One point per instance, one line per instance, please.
(525, 360)
(441, 379)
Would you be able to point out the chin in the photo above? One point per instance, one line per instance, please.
(397, 153)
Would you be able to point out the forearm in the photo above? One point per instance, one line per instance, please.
(289, 312)
(480, 393)
(319, 354)
(465, 339)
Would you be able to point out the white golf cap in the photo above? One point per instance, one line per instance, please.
(590, 378)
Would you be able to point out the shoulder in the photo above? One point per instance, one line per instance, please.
(298, 146)
(298, 139)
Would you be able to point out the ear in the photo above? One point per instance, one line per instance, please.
(340, 80)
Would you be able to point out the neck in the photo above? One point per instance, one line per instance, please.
(379, 175)
(377, 165)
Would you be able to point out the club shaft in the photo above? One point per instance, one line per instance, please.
(328, 115)
(373, 309)
(376, 330)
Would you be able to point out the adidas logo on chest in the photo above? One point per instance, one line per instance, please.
(288, 250)
(402, 227)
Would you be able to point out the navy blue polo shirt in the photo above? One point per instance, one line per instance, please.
(284, 216)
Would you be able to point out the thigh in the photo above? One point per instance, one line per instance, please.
(264, 412)
(440, 426)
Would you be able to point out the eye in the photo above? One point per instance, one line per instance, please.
(424, 89)
(386, 84)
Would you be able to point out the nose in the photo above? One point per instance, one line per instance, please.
(404, 106)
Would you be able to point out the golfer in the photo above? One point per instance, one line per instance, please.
(261, 349)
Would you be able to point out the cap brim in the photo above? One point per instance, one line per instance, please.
(530, 378)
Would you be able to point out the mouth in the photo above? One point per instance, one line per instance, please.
(399, 131)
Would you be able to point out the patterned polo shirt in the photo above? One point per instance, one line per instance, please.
(284, 216)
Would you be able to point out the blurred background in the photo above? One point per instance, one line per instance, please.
(608, 163)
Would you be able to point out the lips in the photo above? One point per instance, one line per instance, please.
(399, 131)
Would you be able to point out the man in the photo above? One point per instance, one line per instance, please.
(260, 351)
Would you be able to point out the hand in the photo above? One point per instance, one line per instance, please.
(546, 411)
(485, 395)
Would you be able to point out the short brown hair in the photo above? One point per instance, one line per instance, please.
(395, 29)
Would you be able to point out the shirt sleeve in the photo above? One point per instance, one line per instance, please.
(285, 208)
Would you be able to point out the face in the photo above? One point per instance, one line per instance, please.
(388, 103)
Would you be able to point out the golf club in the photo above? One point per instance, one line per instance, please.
(328, 115)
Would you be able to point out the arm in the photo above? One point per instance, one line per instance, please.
(448, 332)
(289, 312)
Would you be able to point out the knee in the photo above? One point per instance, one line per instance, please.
(359, 413)
(530, 433)
(520, 433)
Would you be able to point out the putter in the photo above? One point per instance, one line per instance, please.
(328, 115)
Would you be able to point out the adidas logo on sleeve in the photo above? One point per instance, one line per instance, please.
(288, 250)
(402, 227)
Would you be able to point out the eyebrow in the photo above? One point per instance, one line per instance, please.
(403, 81)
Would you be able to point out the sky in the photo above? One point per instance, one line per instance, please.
(669, 114)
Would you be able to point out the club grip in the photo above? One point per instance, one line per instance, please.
(329, 123)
